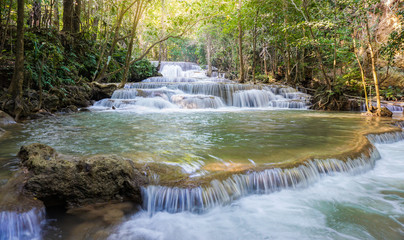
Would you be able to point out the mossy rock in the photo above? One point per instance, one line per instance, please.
(60, 180)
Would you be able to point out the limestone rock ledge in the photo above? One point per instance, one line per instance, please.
(60, 180)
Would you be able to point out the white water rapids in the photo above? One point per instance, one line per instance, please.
(342, 206)
(185, 86)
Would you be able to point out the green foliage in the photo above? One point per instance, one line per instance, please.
(73, 61)
(141, 70)
(263, 78)
(349, 83)
(182, 49)
(392, 93)
(395, 43)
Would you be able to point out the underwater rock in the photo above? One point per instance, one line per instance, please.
(60, 180)
(69, 109)
(2, 132)
(40, 114)
(6, 119)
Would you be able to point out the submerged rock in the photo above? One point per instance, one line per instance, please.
(60, 180)
(6, 119)
(69, 109)
(2, 132)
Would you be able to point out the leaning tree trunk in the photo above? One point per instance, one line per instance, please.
(15, 89)
(117, 27)
(209, 55)
(373, 59)
(161, 45)
(141, 5)
(362, 73)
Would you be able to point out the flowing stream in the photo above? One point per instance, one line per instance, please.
(338, 184)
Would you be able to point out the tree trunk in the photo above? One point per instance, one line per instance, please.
(40, 83)
(254, 45)
(335, 44)
(15, 89)
(209, 55)
(161, 46)
(372, 56)
(117, 27)
(287, 50)
(68, 11)
(36, 15)
(94, 25)
(138, 14)
(56, 15)
(318, 51)
(274, 61)
(240, 44)
(362, 74)
(76, 17)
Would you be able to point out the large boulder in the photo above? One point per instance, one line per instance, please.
(60, 180)
(385, 112)
(102, 90)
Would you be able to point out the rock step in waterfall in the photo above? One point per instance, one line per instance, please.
(158, 198)
(186, 86)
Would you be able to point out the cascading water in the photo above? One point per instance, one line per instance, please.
(185, 86)
(174, 199)
(391, 107)
(365, 206)
(21, 225)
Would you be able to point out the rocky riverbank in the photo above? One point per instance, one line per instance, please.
(65, 99)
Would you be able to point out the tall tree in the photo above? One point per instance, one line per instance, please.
(56, 15)
(240, 43)
(76, 16)
(17, 81)
(162, 25)
(68, 11)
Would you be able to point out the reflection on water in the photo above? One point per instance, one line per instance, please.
(193, 139)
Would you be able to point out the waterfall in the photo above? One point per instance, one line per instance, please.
(221, 192)
(186, 86)
(25, 225)
(174, 199)
(391, 107)
(385, 138)
(185, 66)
